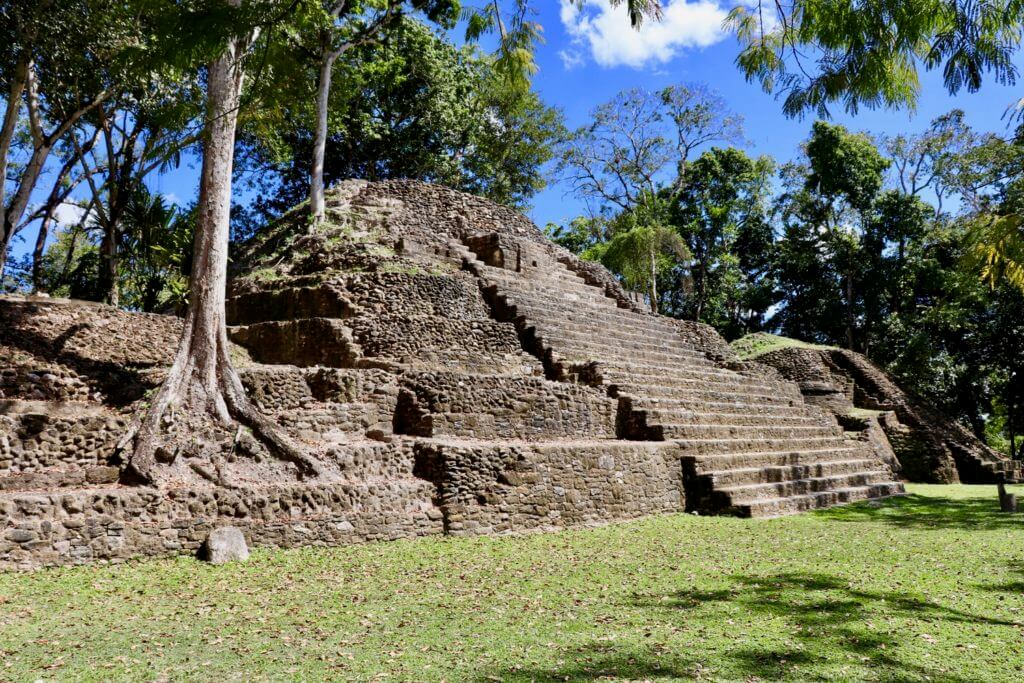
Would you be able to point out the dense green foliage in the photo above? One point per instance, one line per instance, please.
(926, 587)
(855, 53)
(411, 106)
(872, 246)
(407, 104)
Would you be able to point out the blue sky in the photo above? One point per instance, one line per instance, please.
(591, 55)
(609, 57)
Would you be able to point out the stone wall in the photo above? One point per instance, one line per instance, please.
(439, 342)
(304, 342)
(449, 296)
(36, 440)
(511, 488)
(461, 489)
(327, 300)
(120, 523)
(504, 407)
(704, 338)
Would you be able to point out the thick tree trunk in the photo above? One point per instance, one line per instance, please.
(202, 380)
(316, 181)
(5, 243)
(13, 214)
(11, 112)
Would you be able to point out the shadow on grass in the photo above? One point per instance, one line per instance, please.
(602, 661)
(914, 511)
(1015, 586)
(821, 626)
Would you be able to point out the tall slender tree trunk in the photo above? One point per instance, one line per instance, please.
(849, 312)
(1011, 427)
(202, 380)
(654, 282)
(702, 292)
(37, 252)
(316, 181)
(108, 266)
(57, 196)
(70, 256)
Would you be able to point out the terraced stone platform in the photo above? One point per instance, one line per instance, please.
(453, 372)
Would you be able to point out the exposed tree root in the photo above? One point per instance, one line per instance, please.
(202, 387)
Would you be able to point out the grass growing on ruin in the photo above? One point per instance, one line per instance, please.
(928, 587)
(760, 343)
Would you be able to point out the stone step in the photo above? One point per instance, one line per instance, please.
(765, 475)
(697, 413)
(748, 493)
(597, 352)
(584, 318)
(287, 304)
(359, 459)
(546, 287)
(604, 344)
(550, 270)
(743, 445)
(775, 507)
(658, 374)
(695, 391)
(314, 423)
(691, 431)
(723, 462)
(56, 436)
(684, 379)
(691, 417)
(754, 411)
(675, 431)
(554, 309)
(120, 522)
(533, 426)
(558, 288)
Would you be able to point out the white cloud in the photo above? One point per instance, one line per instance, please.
(67, 213)
(606, 32)
(570, 59)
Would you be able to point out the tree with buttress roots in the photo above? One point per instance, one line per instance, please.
(202, 389)
(202, 385)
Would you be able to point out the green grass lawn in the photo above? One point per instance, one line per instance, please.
(926, 587)
(760, 343)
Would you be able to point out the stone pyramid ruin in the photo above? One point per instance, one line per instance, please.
(453, 371)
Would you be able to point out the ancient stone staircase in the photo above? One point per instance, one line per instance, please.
(976, 463)
(750, 446)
